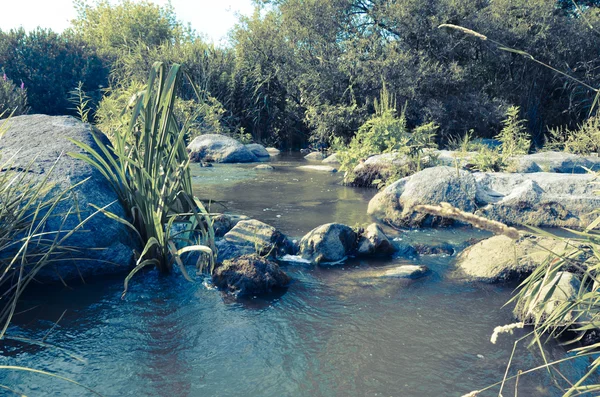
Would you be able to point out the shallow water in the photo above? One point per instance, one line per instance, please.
(336, 332)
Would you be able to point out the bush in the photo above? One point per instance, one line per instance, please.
(583, 140)
(384, 132)
(13, 99)
(514, 137)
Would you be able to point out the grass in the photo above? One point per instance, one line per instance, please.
(147, 166)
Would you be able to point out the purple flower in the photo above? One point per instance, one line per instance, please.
(22, 85)
(4, 77)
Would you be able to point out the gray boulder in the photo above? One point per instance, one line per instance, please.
(259, 151)
(332, 159)
(395, 203)
(329, 243)
(538, 199)
(250, 275)
(260, 238)
(316, 156)
(219, 149)
(374, 242)
(103, 246)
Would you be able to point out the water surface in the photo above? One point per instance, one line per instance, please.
(336, 332)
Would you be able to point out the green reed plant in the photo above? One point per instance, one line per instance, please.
(147, 166)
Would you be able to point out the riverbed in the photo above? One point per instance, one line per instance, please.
(335, 332)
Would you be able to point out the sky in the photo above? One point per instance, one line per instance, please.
(213, 18)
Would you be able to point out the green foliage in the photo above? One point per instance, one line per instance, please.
(13, 99)
(385, 132)
(513, 137)
(50, 65)
(585, 139)
(81, 102)
(147, 167)
(488, 160)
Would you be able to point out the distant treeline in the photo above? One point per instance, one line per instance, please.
(300, 71)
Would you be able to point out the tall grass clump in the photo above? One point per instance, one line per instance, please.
(13, 98)
(147, 166)
(585, 139)
(386, 132)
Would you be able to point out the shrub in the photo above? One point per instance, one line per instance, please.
(513, 137)
(384, 132)
(13, 99)
(583, 140)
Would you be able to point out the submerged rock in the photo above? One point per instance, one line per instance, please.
(250, 275)
(321, 168)
(405, 271)
(435, 249)
(259, 151)
(219, 149)
(374, 242)
(264, 167)
(500, 259)
(259, 238)
(329, 243)
(315, 156)
(103, 246)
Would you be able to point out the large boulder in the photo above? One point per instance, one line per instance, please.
(259, 237)
(535, 199)
(538, 199)
(395, 203)
(259, 151)
(332, 159)
(374, 242)
(500, 258)
(219, 149)
(329, 243)
(103, 246)
(250, 275)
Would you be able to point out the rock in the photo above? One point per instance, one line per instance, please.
(305, 151)
(329, 243)
(437, 249)
(559, 162)
(374, 242)
(500, 259)
(331, 159)
(315, 156)
(406, 271)
(258, 150)
(219, 149)
(538, 199)
(273, 151)
(264, 167)
(567, 288)
(393, 158)
(320, 168)
(104, 246)
(227, 250)
(431, 186)
(260, 238)
(250, 275)
(222, 223)
(452, 158)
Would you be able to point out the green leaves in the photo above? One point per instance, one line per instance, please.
(148, 169)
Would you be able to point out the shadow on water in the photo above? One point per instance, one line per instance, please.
(339, 331)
